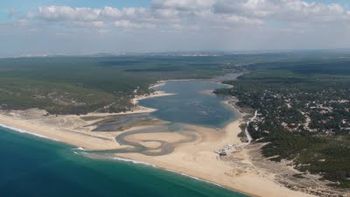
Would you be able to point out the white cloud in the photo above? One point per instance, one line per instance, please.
(199, 13)
(89, 17)
(297, 11)
(179, 25)
(183, 5)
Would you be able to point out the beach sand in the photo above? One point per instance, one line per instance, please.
(191, 152)
(69, 134)
(195, 158)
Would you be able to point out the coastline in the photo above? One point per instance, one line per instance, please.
(196, 159)
(28, 132)
(238, 185)
(35, 126)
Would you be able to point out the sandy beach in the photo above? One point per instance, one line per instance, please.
(196, 158)
(191, 151)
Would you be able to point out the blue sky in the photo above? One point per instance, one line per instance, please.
(41, 27)
(25, 5)
(7, 6)
(344, 2)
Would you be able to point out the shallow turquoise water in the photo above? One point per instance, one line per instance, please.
(30, 166)
(35, 167)
(193, 103)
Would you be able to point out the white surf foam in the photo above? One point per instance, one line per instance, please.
(27, 132)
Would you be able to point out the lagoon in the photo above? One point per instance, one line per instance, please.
(193, 103)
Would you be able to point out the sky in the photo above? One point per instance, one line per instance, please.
(77, 27)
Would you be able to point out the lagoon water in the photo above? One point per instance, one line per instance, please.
(32, 166)
(192, 103)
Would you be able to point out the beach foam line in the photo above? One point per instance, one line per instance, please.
(134, 162)
(27, 132)
(156, 167)
(78, 148)
(168, 170)
(196, 178)
(100, 156)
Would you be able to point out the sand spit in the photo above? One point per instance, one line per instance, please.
(195, 157)
(190, 152)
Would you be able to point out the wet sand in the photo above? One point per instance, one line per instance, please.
(197, 158)
(190, 151)
(187, 149)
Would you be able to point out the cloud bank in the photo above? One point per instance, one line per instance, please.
(198, 13)
(167, 25)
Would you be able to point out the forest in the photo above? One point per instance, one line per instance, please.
(79, 85)
(303, 113)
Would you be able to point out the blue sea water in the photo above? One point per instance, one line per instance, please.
(35, 167)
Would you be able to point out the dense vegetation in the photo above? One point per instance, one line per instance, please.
(78, 85)
(303, 113)
(302, 98)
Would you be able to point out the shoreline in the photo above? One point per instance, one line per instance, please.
(146, 162)
(120, 159)
(22, 131)
(202, 164)
(196, 160)
(9, 120)
(126, 160)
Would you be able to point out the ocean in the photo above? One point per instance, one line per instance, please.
(33, 166)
